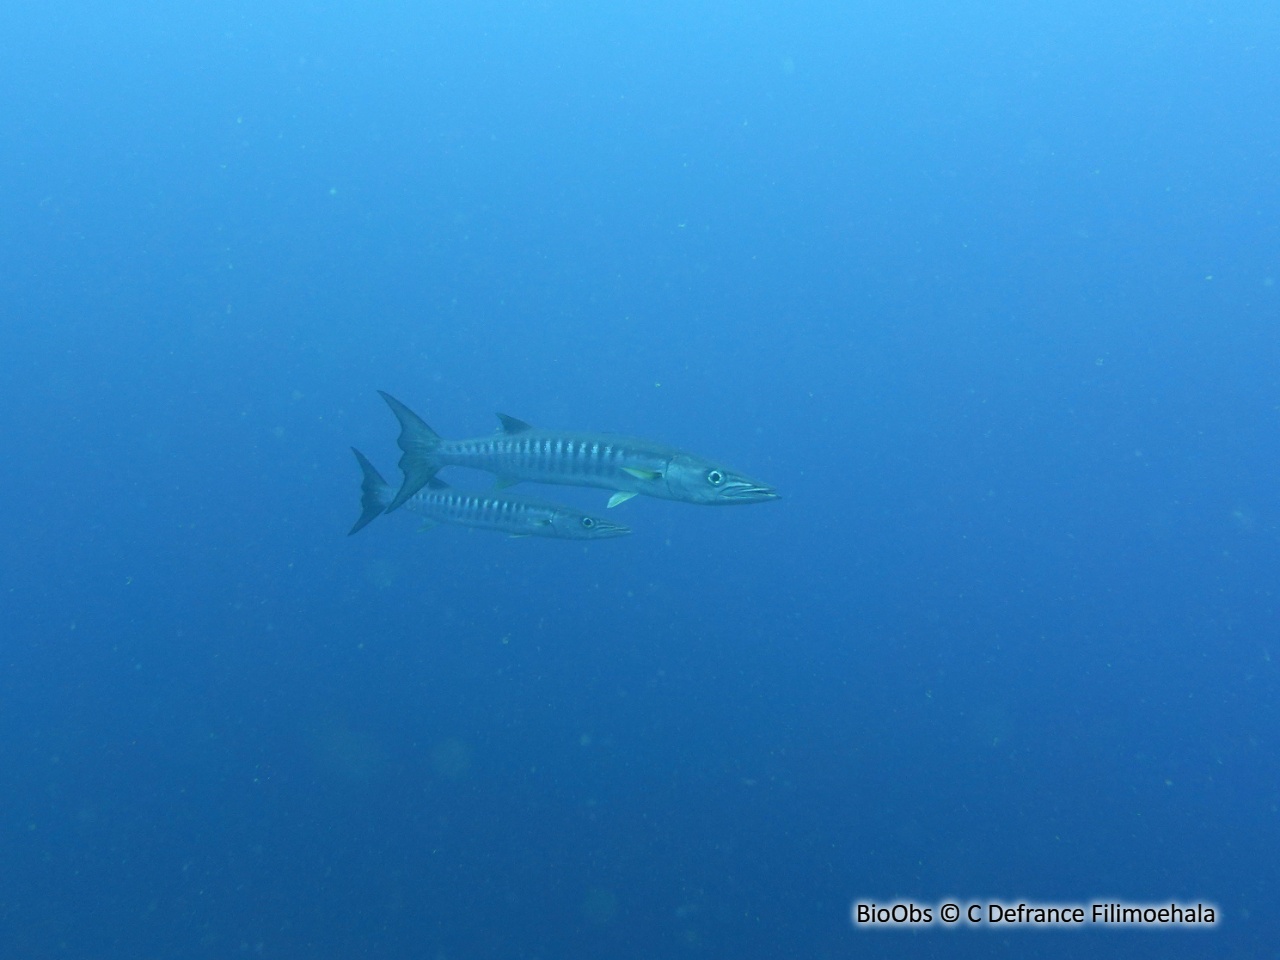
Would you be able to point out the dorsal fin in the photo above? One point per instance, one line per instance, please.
(512, 425)
(435, 483)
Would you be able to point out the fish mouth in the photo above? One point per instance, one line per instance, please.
(748, 491)
(607, 528)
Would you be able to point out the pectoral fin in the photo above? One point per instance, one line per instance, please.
(622, 496)
(643, 474)
(503, 482)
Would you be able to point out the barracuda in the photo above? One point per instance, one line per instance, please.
(517, 516)
(625, 465)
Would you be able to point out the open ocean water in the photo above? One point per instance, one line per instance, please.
(988, 291)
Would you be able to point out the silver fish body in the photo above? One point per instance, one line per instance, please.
(625, 465)
(517, 516)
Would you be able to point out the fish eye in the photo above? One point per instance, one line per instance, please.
(588, 523)
(715, 477)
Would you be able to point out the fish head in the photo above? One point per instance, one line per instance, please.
(572, 525)
(694, 480)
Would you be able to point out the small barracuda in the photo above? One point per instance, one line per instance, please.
(517, 516)
(625, 465)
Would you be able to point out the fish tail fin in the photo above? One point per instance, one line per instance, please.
(375, 493)
(419, 443)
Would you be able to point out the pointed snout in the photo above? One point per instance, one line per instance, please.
(748, 491)
(607, 528)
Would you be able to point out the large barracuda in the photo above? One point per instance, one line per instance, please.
(517, 516)
(625, 465)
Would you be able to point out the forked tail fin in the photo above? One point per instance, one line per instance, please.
(375, 493)
(419, 443)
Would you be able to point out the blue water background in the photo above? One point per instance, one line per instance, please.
(987, 290)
